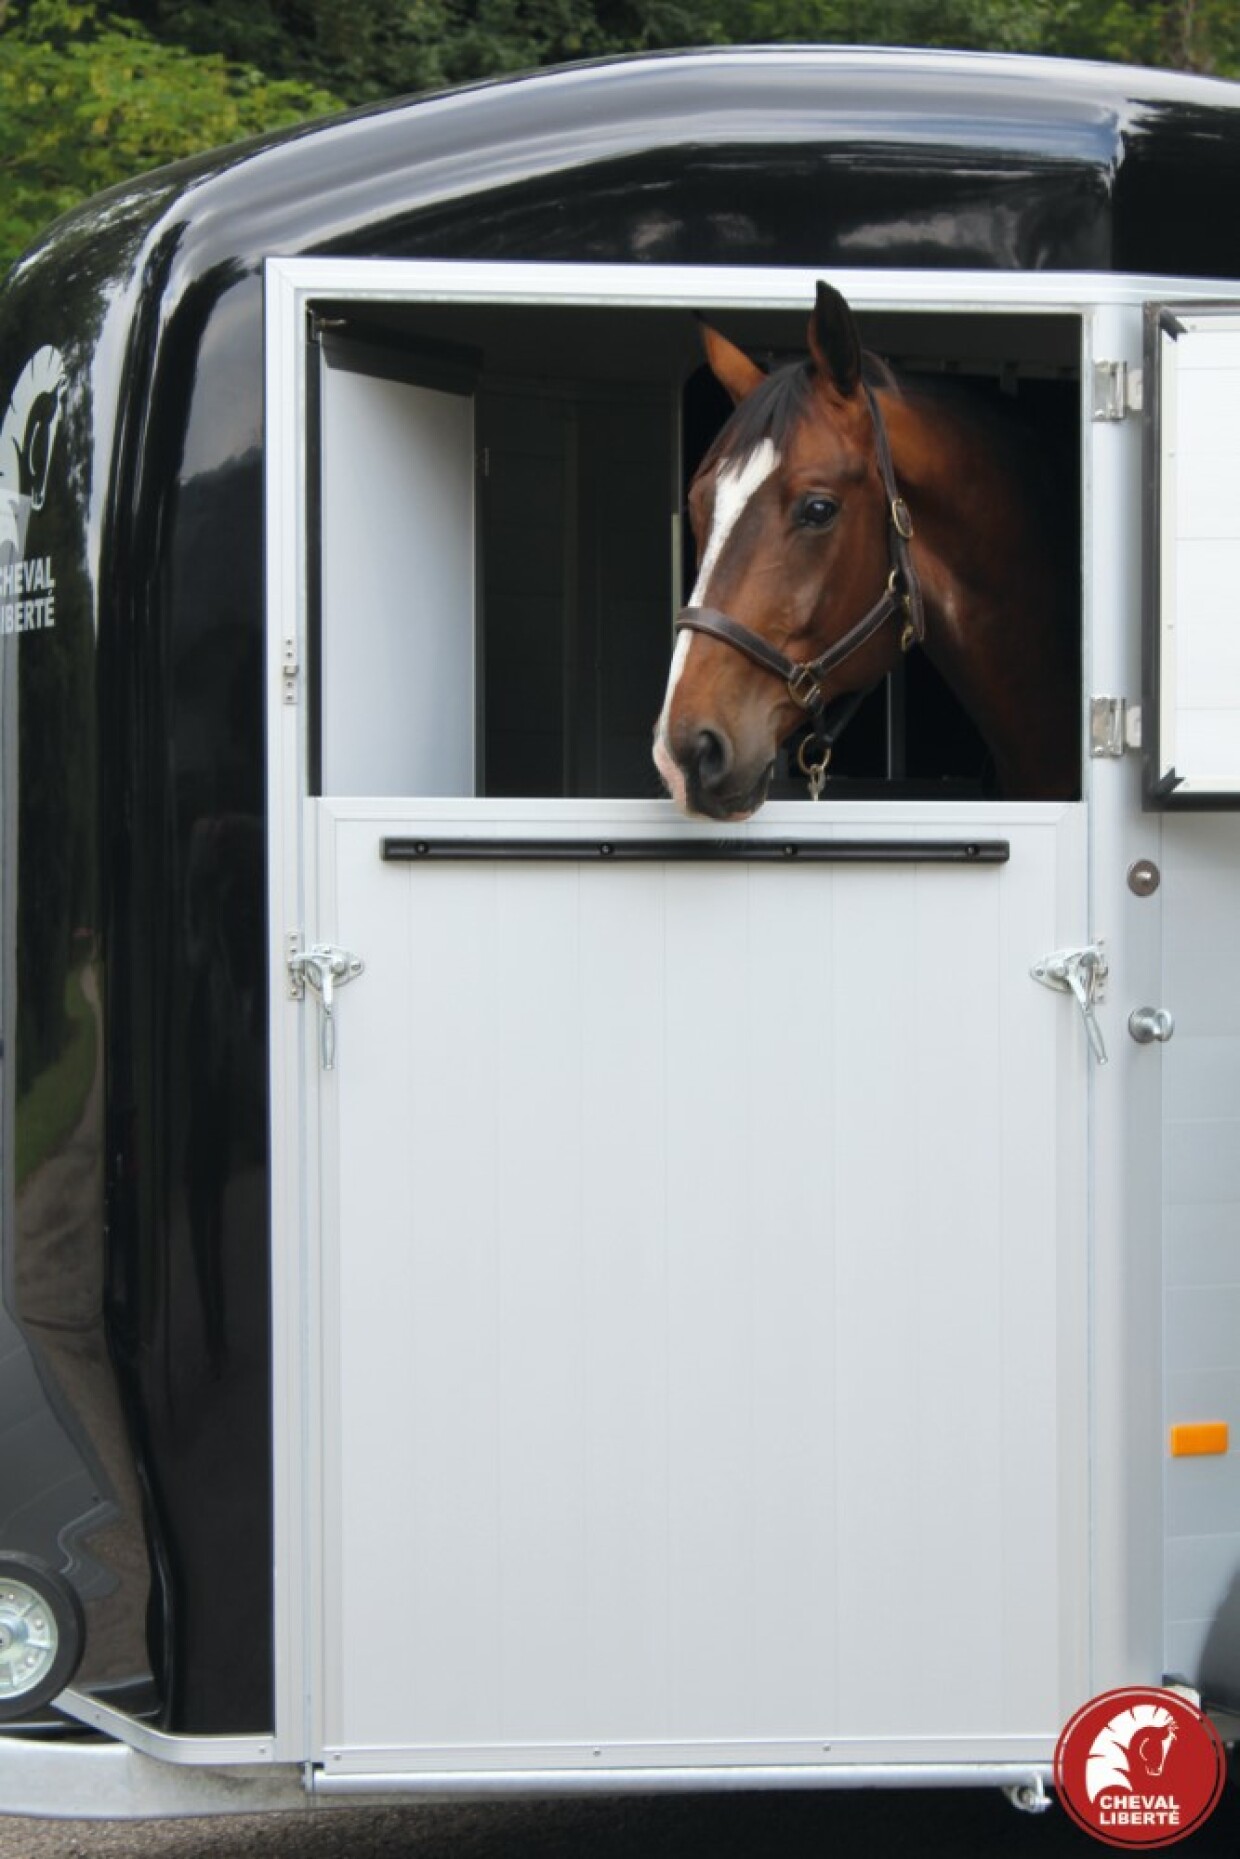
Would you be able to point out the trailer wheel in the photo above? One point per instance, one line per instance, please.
(42, 1633)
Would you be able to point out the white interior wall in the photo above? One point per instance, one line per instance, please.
(398, 588)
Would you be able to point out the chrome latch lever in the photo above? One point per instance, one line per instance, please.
(1081, 973)
(323, 967)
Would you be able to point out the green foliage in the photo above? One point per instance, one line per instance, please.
(1198, 35)
(363, 51)
(87, 99)
(383, 48)
(377, 48)
(1187, 35)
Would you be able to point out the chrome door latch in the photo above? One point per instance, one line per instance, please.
(1083, 974)
(323, 967)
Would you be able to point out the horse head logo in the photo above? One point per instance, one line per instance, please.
(28, 441)
(1132, 1748)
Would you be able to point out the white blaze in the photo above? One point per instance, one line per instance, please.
(734, 487)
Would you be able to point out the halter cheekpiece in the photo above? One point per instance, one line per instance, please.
(901, 599)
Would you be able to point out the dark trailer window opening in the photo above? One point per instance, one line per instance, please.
(550, 448)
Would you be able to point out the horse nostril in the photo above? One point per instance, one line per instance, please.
(712, 757)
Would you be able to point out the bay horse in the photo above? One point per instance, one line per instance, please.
(840, 518)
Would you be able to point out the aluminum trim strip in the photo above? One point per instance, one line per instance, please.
(716, 1779)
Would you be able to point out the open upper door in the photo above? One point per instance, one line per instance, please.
(1192, 681)
(396, 635)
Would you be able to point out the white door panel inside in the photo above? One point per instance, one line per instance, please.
(396, 674)
(1193, 627)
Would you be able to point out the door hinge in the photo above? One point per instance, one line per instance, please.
(1118, 390)
(1083, 974)
(1114, 726)
(323, 967)
(288, 670)
(318, 325)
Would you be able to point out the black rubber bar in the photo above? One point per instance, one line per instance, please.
(428, 849)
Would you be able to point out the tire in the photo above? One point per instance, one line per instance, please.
(42, 1635)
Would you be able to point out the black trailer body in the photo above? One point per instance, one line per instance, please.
(136, 1359)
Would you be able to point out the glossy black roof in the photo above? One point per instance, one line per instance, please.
(817, 155)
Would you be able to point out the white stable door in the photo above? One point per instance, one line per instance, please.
(702, 1293)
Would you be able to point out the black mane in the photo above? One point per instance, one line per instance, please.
(775, 409)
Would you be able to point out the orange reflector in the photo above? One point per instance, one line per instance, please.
(1193, 1437)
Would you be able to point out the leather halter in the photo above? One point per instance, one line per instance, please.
(901, 599)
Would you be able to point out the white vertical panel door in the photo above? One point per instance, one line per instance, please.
(702, 1264)
(1198, 358)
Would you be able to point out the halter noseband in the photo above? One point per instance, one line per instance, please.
(900, 599)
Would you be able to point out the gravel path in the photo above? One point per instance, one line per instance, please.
(938, 1825)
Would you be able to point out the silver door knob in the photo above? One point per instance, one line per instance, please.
(1147, 1024)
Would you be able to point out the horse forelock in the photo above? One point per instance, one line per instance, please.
(776, 408)
(773, 411)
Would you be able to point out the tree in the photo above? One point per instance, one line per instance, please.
(87, 100)
(366, 50)
(1187, 35)
(93, 91)
(377, 48)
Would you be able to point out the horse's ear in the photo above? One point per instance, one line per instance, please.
(834, 342)
(731, 367)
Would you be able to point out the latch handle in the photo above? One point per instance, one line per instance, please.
(324, 967)
(1081, 973)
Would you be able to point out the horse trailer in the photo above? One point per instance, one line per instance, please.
(510, 1287)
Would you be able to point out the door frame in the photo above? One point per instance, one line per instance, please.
(1123, 1609)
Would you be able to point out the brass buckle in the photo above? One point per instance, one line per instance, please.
(902, 518)
(804, 688)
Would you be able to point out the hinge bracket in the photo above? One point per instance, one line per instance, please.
(1118, 390)
(1114, 726)
(288, 671)
(319, 325)
(323, 967)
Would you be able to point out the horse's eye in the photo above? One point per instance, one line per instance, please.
(817, 512)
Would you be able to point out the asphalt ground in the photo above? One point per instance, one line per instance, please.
(943, 1824)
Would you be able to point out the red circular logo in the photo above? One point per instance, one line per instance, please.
(1139, 1767)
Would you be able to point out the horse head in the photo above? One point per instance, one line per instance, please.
(804, 588)
(1137, 1740)
(1153, 1746)
(35, 457)
(28, 431)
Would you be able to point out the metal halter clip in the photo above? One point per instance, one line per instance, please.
(815, 772)
(804, 688)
